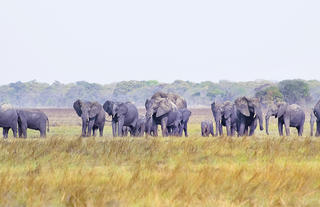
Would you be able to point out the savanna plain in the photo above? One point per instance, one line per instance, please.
(66, 170)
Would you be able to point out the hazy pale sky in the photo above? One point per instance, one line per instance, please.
(109, 41)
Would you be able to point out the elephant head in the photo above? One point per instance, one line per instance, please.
(316, 110)
(86, 109)
(272, 111)
(159, 107)
(250, 107)
(276, 110)
(217, 111)
(174, 98)
(110, 107)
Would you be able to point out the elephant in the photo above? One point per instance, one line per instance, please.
(123, 114)
(316, 112)
(92, 115)
(224, 115)
(8, 119)
(288, 115)
(248, 112)
(151, 128)
(174, 123)
(162, 109)
(140, 127)
(312, 120)
(207, 128)
(183, 127)
(32, 119)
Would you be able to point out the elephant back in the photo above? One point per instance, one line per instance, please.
(242, 105)
(177, 100)
(295, 107)
(5, 107)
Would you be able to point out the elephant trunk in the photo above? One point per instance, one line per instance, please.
(267, 123)
(260, 117)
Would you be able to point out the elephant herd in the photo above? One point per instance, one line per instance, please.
(19, 120)
(167, 110)
(243, 116)
(170, 111)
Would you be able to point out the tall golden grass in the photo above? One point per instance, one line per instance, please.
(65, 170)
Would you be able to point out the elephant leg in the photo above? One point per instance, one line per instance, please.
(300, 131)
(14, 130)
(164, 126)
(185, 129)
(142, 130)
(220, 130)
(20, 131)
(242, 128)
(280, 128)
(5, 132)
(120, 127)
(287, 126)
(317, 129)
(217, 127)
(101, 130)
(253, 127)
(233, 129)
(246, 131)
(24, 130)
(155, 130)
(84, 128)
(42, 133)
(94, 131)
(90, 127)
(114, 128)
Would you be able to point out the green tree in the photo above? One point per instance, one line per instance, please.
(270, 93)
(295, 91)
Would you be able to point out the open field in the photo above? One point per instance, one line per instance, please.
(65, 170)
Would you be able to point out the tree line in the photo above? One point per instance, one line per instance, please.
(57, 94)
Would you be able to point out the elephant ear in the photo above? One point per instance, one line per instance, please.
(282, 107)
(164, 107)
(94, 109)
(77, 107)
(146, 103)
(121, 109)
(227, 109)
(242, 106)
(213, 106)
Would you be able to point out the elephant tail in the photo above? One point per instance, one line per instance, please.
(48, 130)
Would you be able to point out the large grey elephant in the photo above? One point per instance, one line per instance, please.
(92, 115)
(140, 127)
(248, 111)
(316, 112)
(207, 128)
(32, 119)
(123, 114)
(162, 109)
(8, 119)
(224, 115)
(288, 115)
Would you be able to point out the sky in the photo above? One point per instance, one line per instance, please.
(203, 40)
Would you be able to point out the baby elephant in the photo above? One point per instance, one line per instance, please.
(32, 119)
(207, 128)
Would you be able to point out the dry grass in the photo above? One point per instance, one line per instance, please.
(65, 170)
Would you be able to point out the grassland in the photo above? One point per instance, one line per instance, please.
(65, 170)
